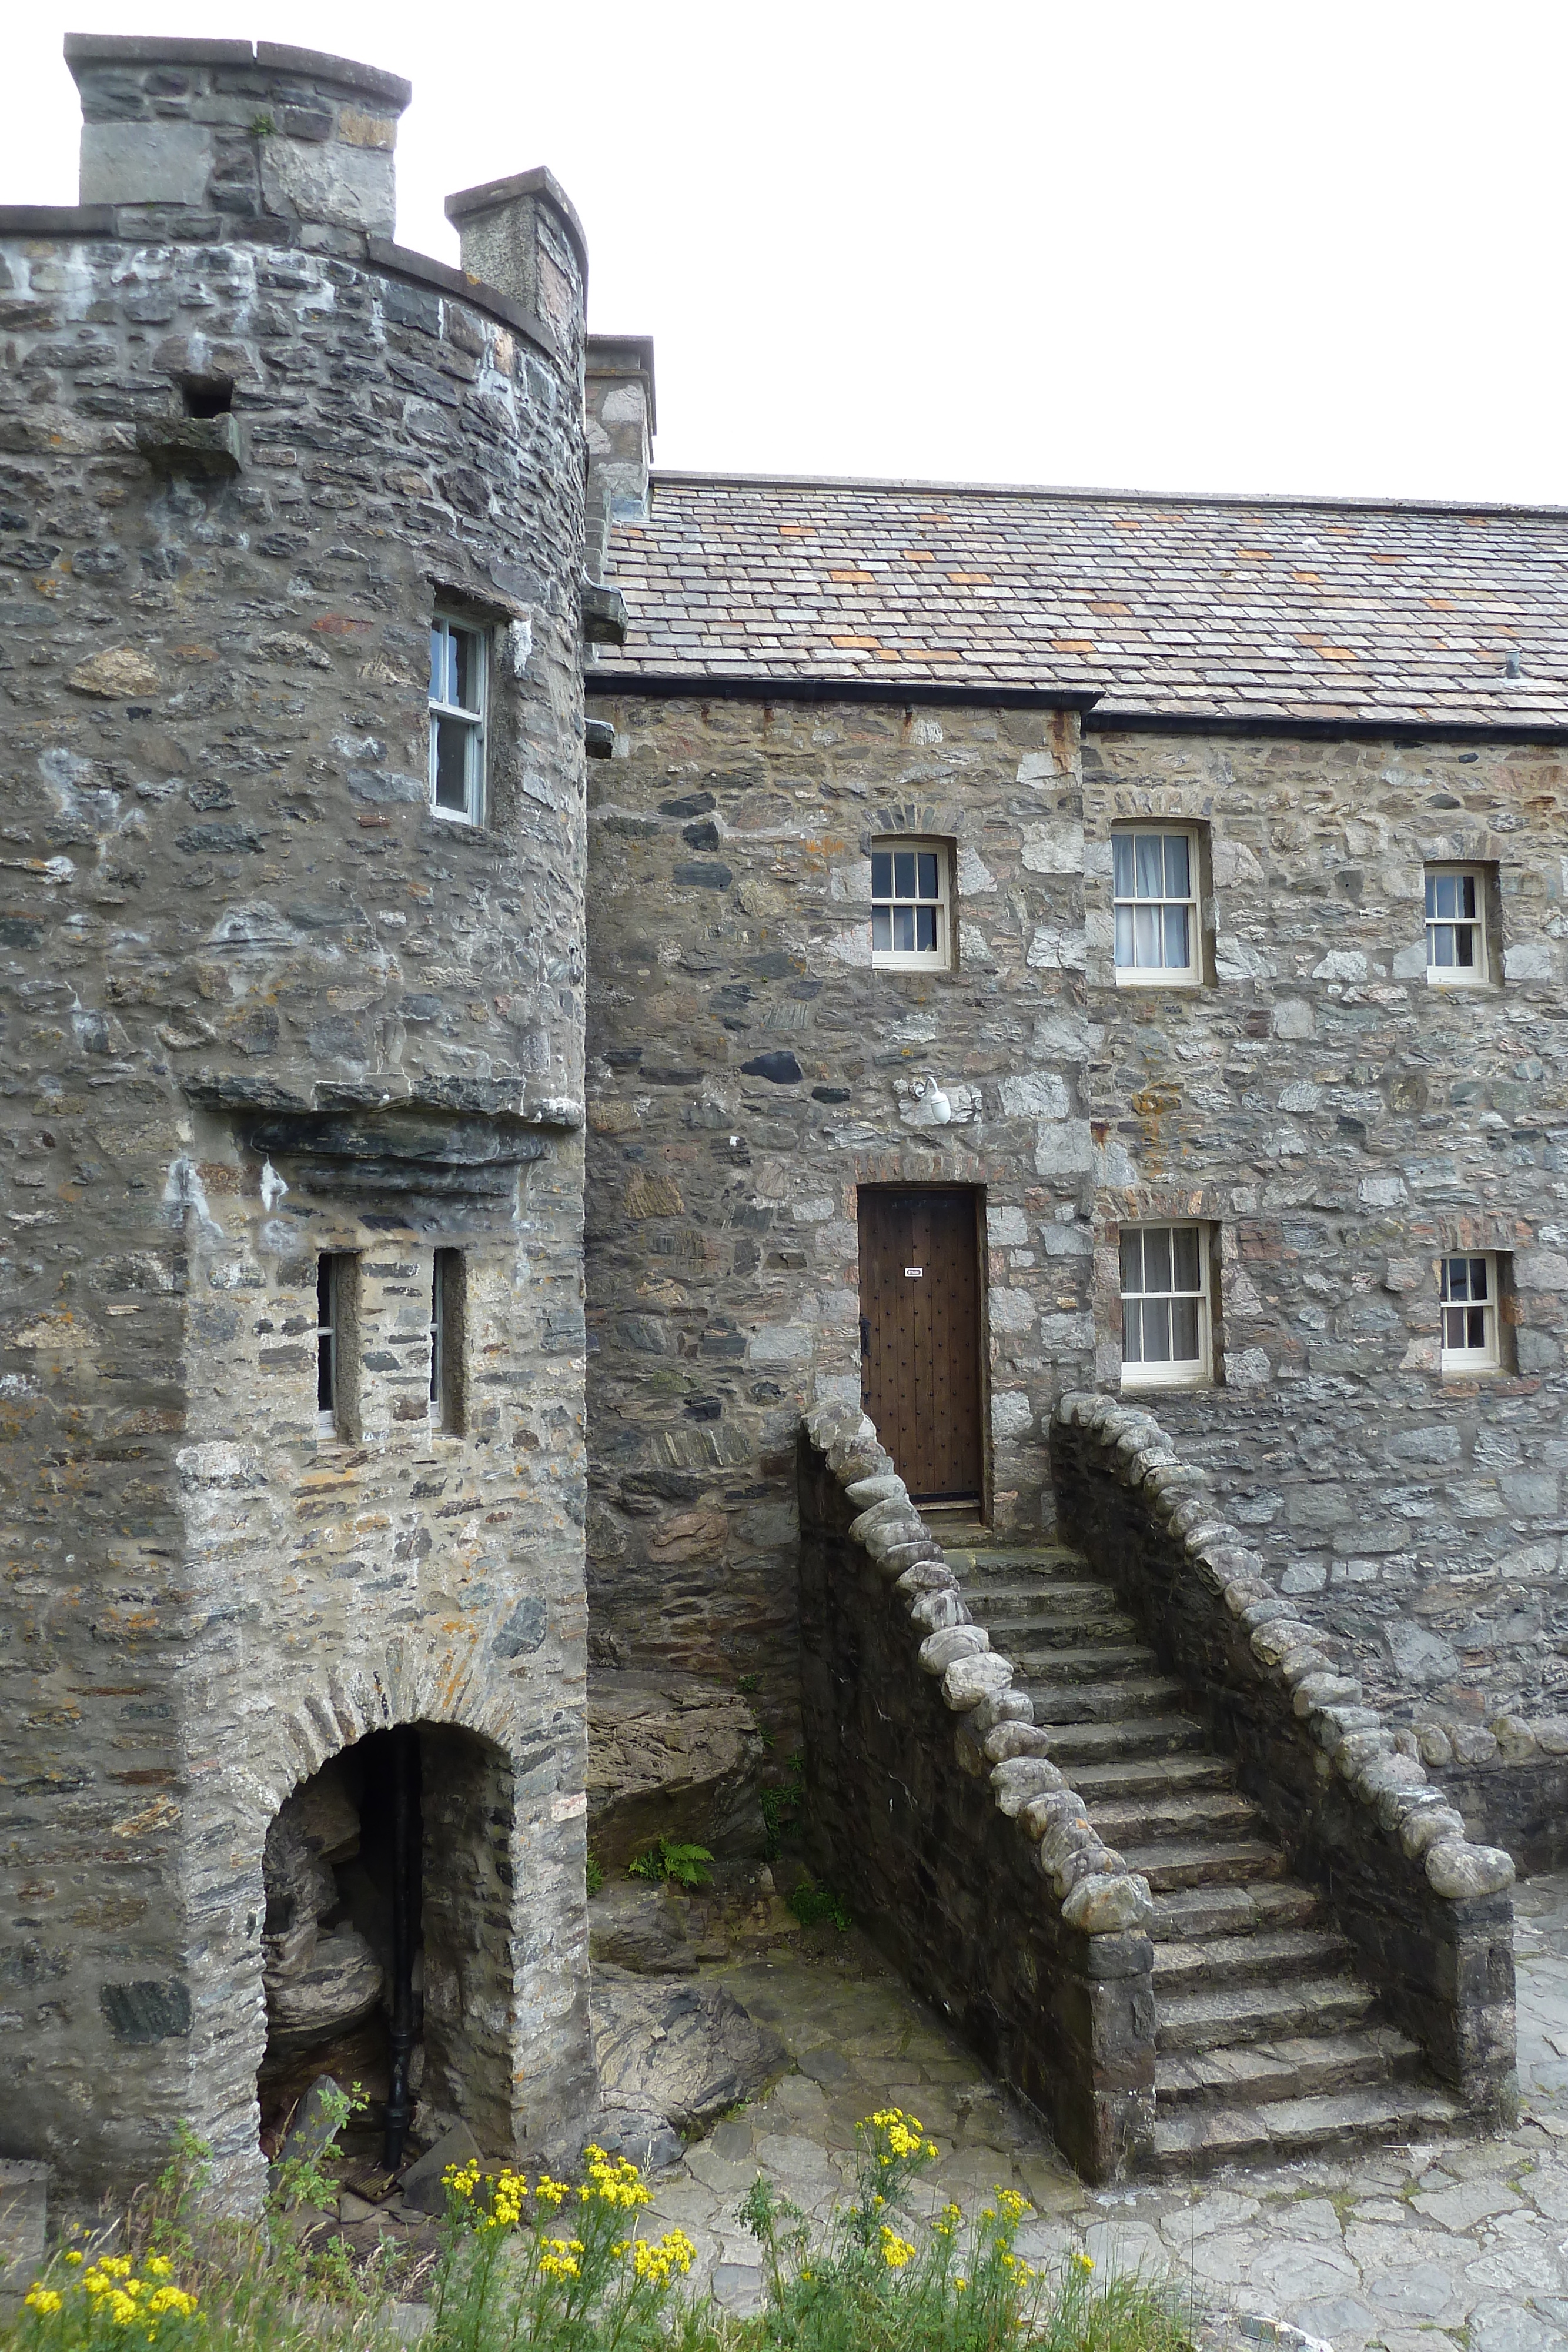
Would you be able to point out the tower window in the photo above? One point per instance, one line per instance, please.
(335, 1402)
(1154, 890)
(457, 683)
(447, 1304)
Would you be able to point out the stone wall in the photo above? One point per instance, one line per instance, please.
(962, 1851)
(1429, 1914)
(749, 1071)
(259, 1003)
(1337, 1121)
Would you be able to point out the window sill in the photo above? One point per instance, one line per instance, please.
(454, 816)
(1140, 1383)
(923, 964)
(1187, 979)
(1462, 1371)
(1458, 987)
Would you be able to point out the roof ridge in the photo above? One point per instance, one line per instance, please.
(1291, 500)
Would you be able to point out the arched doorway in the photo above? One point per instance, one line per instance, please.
(387, 1944)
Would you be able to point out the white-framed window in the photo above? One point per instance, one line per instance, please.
(1153, 885)
(910, 906)
(1457, 926)
(1467, 1286)
(457, 684)
(1166, 1339)
(447, 1306)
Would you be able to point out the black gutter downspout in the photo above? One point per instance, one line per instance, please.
(405, 1931)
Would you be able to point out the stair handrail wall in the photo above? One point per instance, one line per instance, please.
(934, 1810)
(1430, 1913)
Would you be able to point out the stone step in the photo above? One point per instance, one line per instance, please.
(1024, 1617)
(1183, 1813)
(1277, 1953)
(1033, 1559)
(1206, 1864)
(1263, 1907)
(1222, 2017)
(1112, 1662)
(1104, 1702)
(1301, 2066)
(1121, 1741)
(1125, 1777)
(1193, 2139)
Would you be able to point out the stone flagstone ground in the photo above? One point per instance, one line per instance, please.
(1411, 2249)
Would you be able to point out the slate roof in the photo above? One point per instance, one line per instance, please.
(1210, 606)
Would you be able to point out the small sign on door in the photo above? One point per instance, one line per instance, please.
(914, 1271)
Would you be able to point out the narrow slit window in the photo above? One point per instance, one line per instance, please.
(1165, 1318)
(446, 1315)
(457, 683)
(1456, 926)
(1154, 890)
(910, 926)
(328, 1346)
(1469, 1287)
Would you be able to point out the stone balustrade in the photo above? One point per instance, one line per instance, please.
(1428, 1912)
(936, 1814)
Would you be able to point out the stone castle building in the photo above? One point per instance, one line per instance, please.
(1009, 943)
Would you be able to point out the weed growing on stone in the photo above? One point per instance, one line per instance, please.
(593, 1873)
(812, 1901)
(781, 1802)
(667, 1857)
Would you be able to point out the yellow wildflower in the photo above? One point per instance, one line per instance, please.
(895, 2251)
(1084, 2261)
(551, 2192)
(157, 2266)
(76, 2256)
(560, 2258)
(171, 2298)
(43, 2298)
(659, 2259)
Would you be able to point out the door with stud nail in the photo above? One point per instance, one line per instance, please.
(920, 1336)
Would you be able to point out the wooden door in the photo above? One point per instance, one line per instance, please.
(920, 1337)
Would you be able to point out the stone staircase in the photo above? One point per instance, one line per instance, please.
(1268, 2043)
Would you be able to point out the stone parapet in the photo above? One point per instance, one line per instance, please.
(933, 1808)
(1428, 1912)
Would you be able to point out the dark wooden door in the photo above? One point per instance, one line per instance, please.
(920, 1337)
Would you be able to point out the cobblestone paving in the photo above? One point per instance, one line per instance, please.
(1409, 2248)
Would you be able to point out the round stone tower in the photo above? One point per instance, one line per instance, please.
(291, 967)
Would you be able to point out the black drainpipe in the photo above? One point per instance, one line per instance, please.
(405, 1931)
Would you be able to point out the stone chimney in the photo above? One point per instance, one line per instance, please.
(251, 134)
(621, 420)
(522, 236)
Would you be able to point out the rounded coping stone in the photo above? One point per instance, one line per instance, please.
(950, 1643)
(969, 1680)
(885, 1486)
(1241, 1593)
(1396, 1806)
(1042, 1814)
(1461, 1871)
(1315, 1692)
(1552, 1734)
(932, 1611)
(1109, 1904)
(926, 1576)
(891, 1512)
(1430, 1825)
(1002, 1707)
(1006, 1740)
(1018, 1778)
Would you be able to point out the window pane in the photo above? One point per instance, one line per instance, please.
(1156, 1332)
(1178, 956)
(465, 669)
(1147, 937)
(1122, 861)
(1431, 895)
(1132, 1258)
(1158, 1258)
(1458, 1272)
(903, 928)
(1132, 1332)
(1146, 848)
(1476, 1321)
(437, 665)
(1177, 865)
(904, 873)
(926, 929)
(881, 928)
(1478, 1277)
(1186, 1255)
(1447, 885)
(1468, 895)
(1441, 944)
(881, 873)
(925, 861)
(1465, 946)
(451, 764)
(1184, 1330)
(1125, 936)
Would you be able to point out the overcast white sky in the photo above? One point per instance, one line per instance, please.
(1270, 246)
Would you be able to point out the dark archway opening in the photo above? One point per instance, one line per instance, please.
(334, 1958)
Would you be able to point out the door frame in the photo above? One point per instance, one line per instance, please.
(977, 1194)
